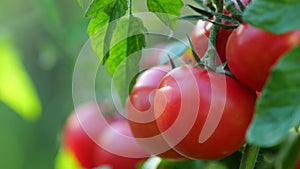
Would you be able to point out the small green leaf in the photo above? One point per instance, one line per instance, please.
(97, 30)
(16, 88)
(166, 10)
(278, 109)
(277, 16)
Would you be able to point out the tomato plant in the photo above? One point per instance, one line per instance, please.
(198, 112)
(140, 112)
(251, 64)
(236, 114)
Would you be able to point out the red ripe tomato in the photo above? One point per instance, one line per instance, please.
(203, 114)
(297, 166)
(112, 137)
(251, 53)
(200, 39)
(81, 128)
(84, 128)
(141, 114)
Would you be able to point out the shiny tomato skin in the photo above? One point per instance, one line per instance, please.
(81, 127)
(297, 166)
(251, 52)
(200, 39)
(140, 110)
(237, 113)
(103, 158)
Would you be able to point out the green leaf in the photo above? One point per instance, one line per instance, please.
(101, 27)
(277, 16)
(278, 109)
(166, 10)
(16, 88)
(65, 160)
(123, 63)
(113, 8)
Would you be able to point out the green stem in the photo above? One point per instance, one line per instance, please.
(130, 7)
(249, 157)
(209, 58)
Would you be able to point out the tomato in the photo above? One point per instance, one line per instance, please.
(203, 114)
(297, 166)
(81, 135)
(200, 39)
(251, 53)
(141, 114)
(82, 126)
(112, 137)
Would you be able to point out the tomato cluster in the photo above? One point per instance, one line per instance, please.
(85, 133)
(185, 112)
(190, 112)
(188, 103)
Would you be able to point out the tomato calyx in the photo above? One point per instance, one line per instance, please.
(195, 55)
(173, 66)
(220, 19)
(221, 70)
(231, 22)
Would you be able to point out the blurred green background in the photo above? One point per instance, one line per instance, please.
(39, 43)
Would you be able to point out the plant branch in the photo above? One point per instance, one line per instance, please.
(130, 7)
(209, 58)
(249, 157)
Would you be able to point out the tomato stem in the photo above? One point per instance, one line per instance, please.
(173, 66)
(249, 157)
(209, 58)
(130, 7)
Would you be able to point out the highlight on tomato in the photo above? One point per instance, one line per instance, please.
(141, 117)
